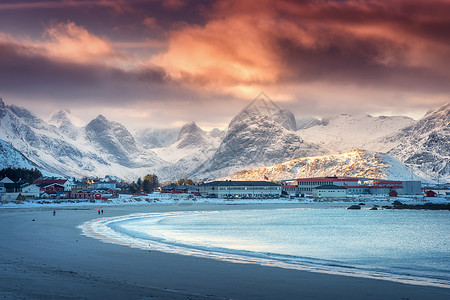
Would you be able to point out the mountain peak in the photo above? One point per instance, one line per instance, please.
(101, 117)
(189, 128)
(190, 135)
(262, 105)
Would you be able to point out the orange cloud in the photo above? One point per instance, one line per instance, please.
(223, 53)
(74, 43)
(248, 45)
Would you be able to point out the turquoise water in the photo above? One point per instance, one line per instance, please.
(385, 243)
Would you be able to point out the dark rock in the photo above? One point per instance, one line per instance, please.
(427, 206)
(397, 203)
(354, 207)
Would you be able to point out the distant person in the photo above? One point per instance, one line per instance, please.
(99, 211)
(54, 212)
(102, 211)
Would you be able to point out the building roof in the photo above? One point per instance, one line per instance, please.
(327, 179)
(6, 180)
(240, 183)
(50, 181)
(329, 187)
(374, 187)
(387, 182)
(173, 186)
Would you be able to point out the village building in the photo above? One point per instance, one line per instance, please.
(11, 186)
(241, 189)
(31, 190)
(358, 185)
(329, 191)
(180, 188)
(47, 182)
(81, 185)
(95, 185)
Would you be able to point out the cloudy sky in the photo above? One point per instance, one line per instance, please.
(161, 63)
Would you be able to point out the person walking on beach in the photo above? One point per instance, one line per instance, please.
(54, 212)
(102, 211)
(99, 211)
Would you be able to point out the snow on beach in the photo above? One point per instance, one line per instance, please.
(187, 199)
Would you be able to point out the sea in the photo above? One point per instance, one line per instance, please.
(410, 246)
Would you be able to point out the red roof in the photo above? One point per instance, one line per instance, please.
(50, 181)
(373, 187)
(331, 179)
(387, 182)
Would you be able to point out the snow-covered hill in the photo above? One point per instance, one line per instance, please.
(425, 146)
(355, 163)
(345, 132)
(12, 158)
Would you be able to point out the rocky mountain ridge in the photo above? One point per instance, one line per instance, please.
(260, 135)
(355, 163)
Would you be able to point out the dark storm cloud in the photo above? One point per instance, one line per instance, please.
(338, 66)
(26, 73)
(193, 56)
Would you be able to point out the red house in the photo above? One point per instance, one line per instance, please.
(430, 193)
(393, 193)
(53, 188)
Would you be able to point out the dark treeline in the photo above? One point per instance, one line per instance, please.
(147, 185)
(16, 174)
(185, 181)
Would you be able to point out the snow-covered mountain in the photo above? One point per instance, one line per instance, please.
(157, 137)
(191, 149)
(113, 138)
(260, 135)
(355, 163)
(68, 124)
(12, 158)
(425, 146)
(307, 122)
(91, 151)
(345, 132)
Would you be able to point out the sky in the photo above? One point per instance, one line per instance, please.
(162, 63)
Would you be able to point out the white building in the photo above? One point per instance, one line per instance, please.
(306, 185)
(359, 185)
(241, 189)
(329, 191)
(31, 190)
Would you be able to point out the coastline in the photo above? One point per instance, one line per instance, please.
(49, 258)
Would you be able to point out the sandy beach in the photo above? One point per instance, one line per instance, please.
(45, 256)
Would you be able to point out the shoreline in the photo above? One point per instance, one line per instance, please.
(105, 230)
(48, 257)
